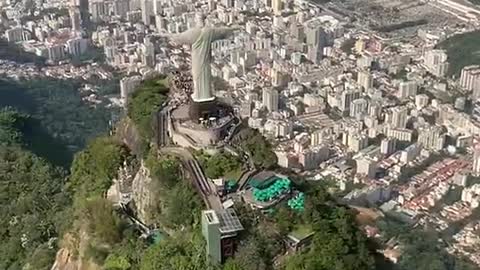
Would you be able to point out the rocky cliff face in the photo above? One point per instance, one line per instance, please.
(71, 255)
(73, 245)
(128, 134)
(142, 196)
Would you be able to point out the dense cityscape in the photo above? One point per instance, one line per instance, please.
(377, 102)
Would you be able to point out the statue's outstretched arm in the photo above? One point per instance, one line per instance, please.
(188, 37)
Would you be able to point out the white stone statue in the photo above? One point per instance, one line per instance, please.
(200, 39)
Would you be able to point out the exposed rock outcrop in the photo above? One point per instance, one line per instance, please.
(142, 195)
(72, 254)
(128, 134)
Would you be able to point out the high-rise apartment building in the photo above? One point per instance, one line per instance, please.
(75, 19)
(270, 99)
(77, 46)
(358, 108)
(277, 7)
(365, 79)
(398, 117)
(431, 137)
(470, 80)
(476, 162)
(147, 11)
(407, 89)
(436, 62)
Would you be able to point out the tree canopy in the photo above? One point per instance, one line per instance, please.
(221, 164)
(144, 102)
(32, 200)
(259, 148)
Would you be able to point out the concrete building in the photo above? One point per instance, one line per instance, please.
(367, 166)
(421, 101)
(407, 89)
(220, 228)
(401, 134)
(77, 46)
(56, 52)
(311, 158)
(357, 142)
(346, 99)
(147, 11)
(476, 162)
(359, 108)
(16, 34)
(98, 10)
(148, 54)
(398, 117)
(121, 8)
(277, 7)
(75, 19)
(316, 41)
(270, 99)
(436, 62)
(470, 80)
(365, 79)
(388, 146)
(431, 137)
(410, 153)
(472, 195)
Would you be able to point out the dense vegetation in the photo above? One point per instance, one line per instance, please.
(337, 243)
(421, 248)
(60, 123)
(146, 101)
(462, 51)
(32, 200)
(257, 146)
(177, 204)
(221, 164)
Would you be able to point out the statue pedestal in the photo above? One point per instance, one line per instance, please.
(204, 109)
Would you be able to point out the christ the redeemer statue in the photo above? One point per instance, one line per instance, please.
(201, 41)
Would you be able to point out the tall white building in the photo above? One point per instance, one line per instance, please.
(147, 11)
(365, 79)
(277, 7)
(476, 162)
(421, 101)
(15, 34)
(75, 19)
(388, 146)
(270, 99)
(359, 108)
(431, 137)
(398, 117)
(367, 166)
(148, 54)
(346, 99)
(77, 46)
(407, 89)
(436, 62)
(470, 80)
(56, 52)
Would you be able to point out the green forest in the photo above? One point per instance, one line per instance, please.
(60, 122)
(462, 50)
